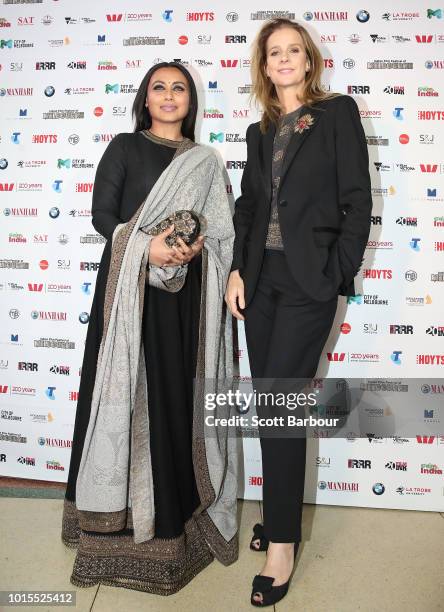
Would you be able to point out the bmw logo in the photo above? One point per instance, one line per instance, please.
(83, 317)
(378, 488)
(49, 91)
(428, 64)
(363, 16)
(425, 388)
(3, 163)
(54, 212)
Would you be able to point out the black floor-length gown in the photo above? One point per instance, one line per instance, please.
(125, 175)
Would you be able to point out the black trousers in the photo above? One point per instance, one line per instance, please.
(286, 331)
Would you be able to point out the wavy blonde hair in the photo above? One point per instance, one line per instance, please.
(263, 90)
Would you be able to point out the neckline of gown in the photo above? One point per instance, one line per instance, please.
(160, 140)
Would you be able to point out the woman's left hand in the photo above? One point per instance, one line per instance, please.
(185, 252)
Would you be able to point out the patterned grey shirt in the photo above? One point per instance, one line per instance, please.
(284, 131)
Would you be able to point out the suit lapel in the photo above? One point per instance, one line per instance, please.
(311, 117)
(296, 141)
(265, 154)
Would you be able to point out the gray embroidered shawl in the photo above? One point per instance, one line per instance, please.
(115, 470)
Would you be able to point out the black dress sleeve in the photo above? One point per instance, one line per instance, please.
(108, 187)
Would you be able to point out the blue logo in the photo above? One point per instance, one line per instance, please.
(23, 112)
(83, 317)
(395, 357)
(414, 244)
(86, 288)
(100, 38)
(50, 393)
(16, 137)
(308, 16)
(363, 16)
(354, 299)
(168, 15)
(57, 186)
(397, 113)
(431, 193)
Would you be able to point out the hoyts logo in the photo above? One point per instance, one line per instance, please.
(425, 439)
(114, 17)
(255, 481)
(200, 16)
(423, 38)
(430, 359)
(377, 274)
(336, 356)
(229, 63)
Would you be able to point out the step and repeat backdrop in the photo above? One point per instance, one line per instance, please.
(68, 75)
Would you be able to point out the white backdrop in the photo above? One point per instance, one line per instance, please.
(68, 76)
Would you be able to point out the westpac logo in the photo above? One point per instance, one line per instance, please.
(38, 287)
(336, 356)
(425, 439)
(423, 38)
(114, 18)
(229, 63)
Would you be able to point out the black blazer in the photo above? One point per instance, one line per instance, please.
(324, 201)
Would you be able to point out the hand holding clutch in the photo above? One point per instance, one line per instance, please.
(187, 225)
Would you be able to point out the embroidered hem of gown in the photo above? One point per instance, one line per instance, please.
(159, 566)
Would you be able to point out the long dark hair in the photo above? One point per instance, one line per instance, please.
(141, 114)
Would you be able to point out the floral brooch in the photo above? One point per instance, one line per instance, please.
(304, 123)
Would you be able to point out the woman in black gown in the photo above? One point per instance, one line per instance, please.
(165, 111)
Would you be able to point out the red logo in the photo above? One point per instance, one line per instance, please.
(44, 264)
(345, 328)
(98, 111)
(336, 356)
(423, 38)
(428, 167)
(35, 286)
(404, 138)
(114, 17)
(425, 439)
(183, 40)
(228, 63)
(379, 274)
(6, 186)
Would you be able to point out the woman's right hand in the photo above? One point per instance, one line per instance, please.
(234, 294)
(161, 254)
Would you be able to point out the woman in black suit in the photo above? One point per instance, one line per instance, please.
(302, 224)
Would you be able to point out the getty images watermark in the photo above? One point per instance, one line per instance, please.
(348, 408)
(269, 400)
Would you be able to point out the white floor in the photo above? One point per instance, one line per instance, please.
(350, 559)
